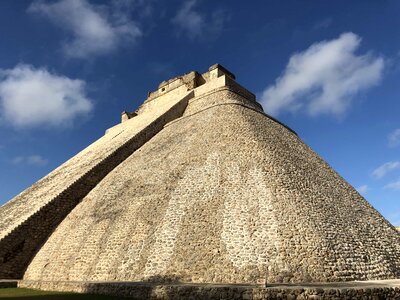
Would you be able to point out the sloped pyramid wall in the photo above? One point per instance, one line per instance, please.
(27, 220)
(223, 194)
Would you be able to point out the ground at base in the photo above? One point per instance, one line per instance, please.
(374, 290)
(31, 294)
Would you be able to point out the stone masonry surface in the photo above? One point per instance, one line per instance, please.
(222, 194)
(19, 209)
(39, 209)
(257, 204)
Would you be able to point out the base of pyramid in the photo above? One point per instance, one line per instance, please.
(6, 283)
(376, 289)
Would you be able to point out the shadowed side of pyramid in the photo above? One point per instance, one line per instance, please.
(222, 194)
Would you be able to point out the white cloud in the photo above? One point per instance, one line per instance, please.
(324, 78)
(189, 20)
(385, 168)
(363, 189)
(394, 138)
(197, 25)
(32, 160)
(393, 186)
(32, 97)
(95, 30)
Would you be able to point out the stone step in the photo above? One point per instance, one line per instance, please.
(5, 283)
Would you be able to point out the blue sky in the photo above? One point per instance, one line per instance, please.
(328, 69)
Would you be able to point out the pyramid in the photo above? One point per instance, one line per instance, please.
(198, 185)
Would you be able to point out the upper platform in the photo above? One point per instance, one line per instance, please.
(191, 80)
(215, 78)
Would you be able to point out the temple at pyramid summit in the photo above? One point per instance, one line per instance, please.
(198, 185)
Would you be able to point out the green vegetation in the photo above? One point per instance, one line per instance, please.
(29, 294)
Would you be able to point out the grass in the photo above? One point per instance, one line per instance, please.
(29, 294)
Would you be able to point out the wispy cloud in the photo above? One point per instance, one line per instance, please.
(324, 78)
(197, 25)
(93, 29)
(122, 9)
(394, 138)
(363, 189)
(32, 97)
(322, 24)
(393, 185)
(385, 168)
(17, 160)
(32, 160)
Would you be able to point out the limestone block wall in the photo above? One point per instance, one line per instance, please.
(189, 81)
(29, 219)
(223, 194)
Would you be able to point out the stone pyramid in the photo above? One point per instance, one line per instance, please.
(198, 185)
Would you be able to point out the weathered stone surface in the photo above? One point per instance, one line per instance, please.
(28, 220)
(222, 194)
